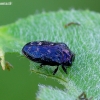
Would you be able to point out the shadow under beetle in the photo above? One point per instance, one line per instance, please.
(49, 53)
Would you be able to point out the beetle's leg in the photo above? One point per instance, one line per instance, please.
(64, 69)
(54, 72)
(41, 65)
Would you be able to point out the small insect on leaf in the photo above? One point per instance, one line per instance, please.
(49, 53)
(71, 23)
(83, 96)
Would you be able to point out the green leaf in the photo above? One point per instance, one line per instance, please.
(49, 93)
(83, 40)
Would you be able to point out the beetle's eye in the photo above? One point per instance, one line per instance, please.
(73, 57)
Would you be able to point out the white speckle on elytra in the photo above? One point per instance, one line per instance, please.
(29, 48)
(40, 43)
(31, 43)
(37, 49)
(52, 44)
(49, 51)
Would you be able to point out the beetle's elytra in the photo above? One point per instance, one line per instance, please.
(49, 53)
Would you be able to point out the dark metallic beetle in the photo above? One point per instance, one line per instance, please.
(49, 53)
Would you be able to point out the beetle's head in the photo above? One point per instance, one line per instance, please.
(70, 61)
(73, 57)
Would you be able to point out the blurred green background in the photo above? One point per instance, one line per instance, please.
(20, 83)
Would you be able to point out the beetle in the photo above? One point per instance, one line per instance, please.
(49, 53)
